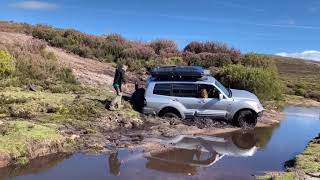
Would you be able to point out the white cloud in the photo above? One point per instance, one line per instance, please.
(34, 5)
(309, 55)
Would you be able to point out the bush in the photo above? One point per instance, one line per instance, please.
(191, 58)
(211, 47)
(210, 54)
(66, 75)
(207, 59)
(138, 52)
(34, 66)
(163, 47)
(7, 64)
(264, 83)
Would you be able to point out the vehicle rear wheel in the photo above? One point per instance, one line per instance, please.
(246, 119)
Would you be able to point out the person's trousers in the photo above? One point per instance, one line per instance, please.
(116, 102)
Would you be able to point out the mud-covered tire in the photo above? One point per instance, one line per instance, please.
(170, 115)
(245, 119)
(169, 112)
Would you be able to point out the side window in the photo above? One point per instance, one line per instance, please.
(162, 89)
(207, 91)
(184, 90)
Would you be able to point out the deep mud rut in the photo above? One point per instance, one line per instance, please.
(131, 135)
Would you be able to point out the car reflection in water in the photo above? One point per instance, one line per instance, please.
(187, 153)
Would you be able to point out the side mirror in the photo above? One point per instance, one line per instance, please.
(220, 96)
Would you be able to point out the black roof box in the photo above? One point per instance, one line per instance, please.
(178, 72)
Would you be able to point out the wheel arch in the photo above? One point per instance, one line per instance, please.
(236, 113)
(170, 109)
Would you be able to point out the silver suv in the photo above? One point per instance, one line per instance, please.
(183, 99)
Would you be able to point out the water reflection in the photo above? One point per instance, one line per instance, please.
(188, 153)
(35, 166)
(114, 164)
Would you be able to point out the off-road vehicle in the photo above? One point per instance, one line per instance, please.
(191, 92)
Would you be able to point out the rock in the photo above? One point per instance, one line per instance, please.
(4, 160)
(74, 136)
(1, 122)
(32, 87)
(314, 175)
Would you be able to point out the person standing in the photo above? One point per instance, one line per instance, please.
(119, 79)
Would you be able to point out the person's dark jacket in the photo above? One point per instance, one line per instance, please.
(119, 77)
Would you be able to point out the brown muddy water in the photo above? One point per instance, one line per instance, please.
(236, 155)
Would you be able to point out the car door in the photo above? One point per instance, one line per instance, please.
(186, 94)
(212, 106)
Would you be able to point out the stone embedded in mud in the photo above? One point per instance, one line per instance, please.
(1, 122)
(74, 136)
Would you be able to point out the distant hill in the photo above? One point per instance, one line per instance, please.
(301, 77)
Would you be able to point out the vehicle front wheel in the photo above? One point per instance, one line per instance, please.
(170, 115)
(246, 119)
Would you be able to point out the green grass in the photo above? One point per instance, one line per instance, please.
(309, 160)
(79, 111)
(278, 176)
(18, 137)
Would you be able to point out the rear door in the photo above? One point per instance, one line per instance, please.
(212, 106)
(186, 94)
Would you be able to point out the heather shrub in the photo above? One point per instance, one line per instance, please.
(169, 52)
(263, 82)
(32, 64)
(211, 47)
(214, 59)
(135, 65)
(82, 44)
(207, 59)
(138, 52)
(164, 46)
(210, 54)
(7, 64)
(191, 58)
(176, 60)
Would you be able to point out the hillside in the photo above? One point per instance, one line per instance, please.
(53, 96)
(301, 77)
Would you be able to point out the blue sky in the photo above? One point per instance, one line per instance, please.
(264, 26)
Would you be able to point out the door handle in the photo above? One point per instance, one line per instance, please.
(201, 101)
(175, 99)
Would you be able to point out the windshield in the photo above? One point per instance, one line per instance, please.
(222, 88)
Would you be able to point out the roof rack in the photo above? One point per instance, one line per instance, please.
(179, 73)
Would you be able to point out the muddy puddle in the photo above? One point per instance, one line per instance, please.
(236, 155)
